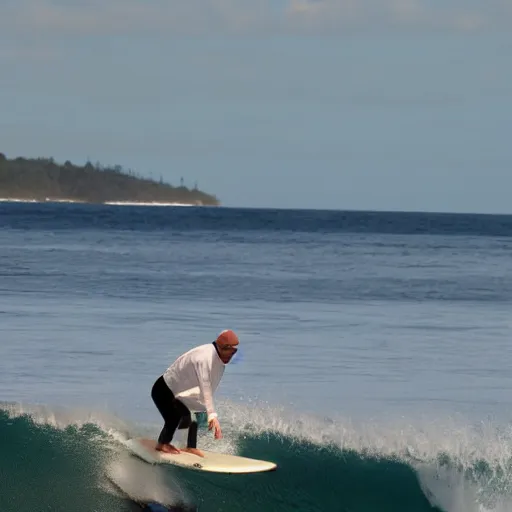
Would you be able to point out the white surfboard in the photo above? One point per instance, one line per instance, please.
(212, 461)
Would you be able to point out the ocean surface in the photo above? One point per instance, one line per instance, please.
(375, 366)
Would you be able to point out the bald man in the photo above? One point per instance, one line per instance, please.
(187, 387)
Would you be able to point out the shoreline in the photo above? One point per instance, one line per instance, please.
(109, 203)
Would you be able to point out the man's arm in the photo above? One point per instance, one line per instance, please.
(204, 377)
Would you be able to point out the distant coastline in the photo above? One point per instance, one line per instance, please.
(112, 203)
(41, 180)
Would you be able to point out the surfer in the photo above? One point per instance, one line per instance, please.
(187, 386)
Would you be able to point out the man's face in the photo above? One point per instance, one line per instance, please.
(227, 351)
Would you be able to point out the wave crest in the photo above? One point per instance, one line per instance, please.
(394, 464)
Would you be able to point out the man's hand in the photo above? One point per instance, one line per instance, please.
(214, 423)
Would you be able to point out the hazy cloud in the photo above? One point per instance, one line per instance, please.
(132, 16)
(202, 16)
(354, 14)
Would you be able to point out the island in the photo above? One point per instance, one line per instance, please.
(43, 180)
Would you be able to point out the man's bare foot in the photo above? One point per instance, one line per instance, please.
(167, 448)
(195, 451)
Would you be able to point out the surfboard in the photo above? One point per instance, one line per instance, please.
(212, 461)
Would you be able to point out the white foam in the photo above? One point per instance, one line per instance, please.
(149, 203)
(111, 203)
(143, 482)
(16, 200)
(62, 417)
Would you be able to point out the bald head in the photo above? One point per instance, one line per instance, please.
(227, 337)
(227, 343)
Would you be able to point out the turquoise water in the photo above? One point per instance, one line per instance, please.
(374, 365)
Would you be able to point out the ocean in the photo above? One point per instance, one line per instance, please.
(374, 368)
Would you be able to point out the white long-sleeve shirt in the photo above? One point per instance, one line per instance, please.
(194, 377)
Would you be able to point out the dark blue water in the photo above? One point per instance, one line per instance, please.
(234, 220)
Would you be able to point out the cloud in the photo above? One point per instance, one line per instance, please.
(356, 14)
(135, 16)
(196, 17)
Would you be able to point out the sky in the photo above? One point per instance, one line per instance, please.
(336, 104)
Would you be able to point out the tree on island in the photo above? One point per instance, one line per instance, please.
(42, 179)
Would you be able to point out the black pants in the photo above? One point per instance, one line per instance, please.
(174, 412)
